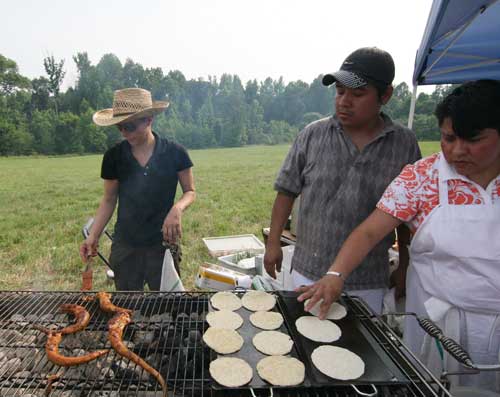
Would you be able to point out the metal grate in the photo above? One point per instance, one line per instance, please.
(166, 331)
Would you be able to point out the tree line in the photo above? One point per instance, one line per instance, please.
(36, 117)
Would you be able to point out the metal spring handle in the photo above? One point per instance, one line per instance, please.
(450, 345)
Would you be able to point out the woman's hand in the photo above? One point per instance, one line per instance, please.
(328, 289)
(172, 227)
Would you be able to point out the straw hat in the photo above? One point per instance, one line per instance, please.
(129, 104)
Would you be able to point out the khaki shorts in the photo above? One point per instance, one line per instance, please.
(134, 267)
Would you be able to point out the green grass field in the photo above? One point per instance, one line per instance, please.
(46, 200)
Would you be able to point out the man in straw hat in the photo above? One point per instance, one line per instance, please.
(141, 173)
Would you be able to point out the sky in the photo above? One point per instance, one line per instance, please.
(296, 40)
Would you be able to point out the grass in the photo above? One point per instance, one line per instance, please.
(46, 200)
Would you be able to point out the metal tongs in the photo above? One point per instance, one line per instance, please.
(449, 344)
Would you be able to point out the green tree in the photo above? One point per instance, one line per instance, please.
(10, 79)
(56, 76)
(42, 128)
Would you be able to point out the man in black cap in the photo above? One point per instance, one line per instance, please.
(340, 166)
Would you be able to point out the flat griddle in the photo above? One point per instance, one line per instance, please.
(380, 369)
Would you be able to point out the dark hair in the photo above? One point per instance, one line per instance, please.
(472, 107)
(381, 88)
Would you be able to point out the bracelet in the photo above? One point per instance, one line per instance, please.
(337, 274)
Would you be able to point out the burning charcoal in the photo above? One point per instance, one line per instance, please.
(194, 316)
(94, 371)
(23, 375)
(173, 339)
(182, 317)
(155, 318)
(74, 372)
(137, 316)
(193, 338)
(78, 352)
(47, 317)
(61, 318)
(10, 336)
(166, 317)
(39, 361)
(17, 318)
(92, 339)
(202, 316)
(123, 372)
(71, 342)
(32, 318)
(10, 367)
(105, 394)
(144, 337)
(70, 393)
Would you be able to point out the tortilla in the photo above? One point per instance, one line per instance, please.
(273, 343)
(336, 311)
(266, 320)
(224, 319)
(225, 300)
(318, 330)
(337, 362)
(258, 301)
(223, 341)
(281, 370)
(231, 371)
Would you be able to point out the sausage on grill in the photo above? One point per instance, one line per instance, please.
(106, 305)
(81, 314)
(116, 326)
(52, 350)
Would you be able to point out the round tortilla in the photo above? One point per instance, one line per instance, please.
(231, 371)
(225, 300)
(266, 320)
(336, 311)
(224, 319)
(258, 301)
(281, 370)
(318, 330)
(223, 341)
(273, 343)
(337, 362)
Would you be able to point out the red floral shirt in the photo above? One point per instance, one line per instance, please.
(414, 193)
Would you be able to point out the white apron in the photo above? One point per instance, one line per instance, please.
(454, 279)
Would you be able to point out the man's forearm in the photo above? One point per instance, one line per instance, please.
(282, 208)
(102, 217)
(185, 200)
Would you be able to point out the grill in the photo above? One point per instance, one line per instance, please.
(167, 331)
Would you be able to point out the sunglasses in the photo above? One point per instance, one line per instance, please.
(131, 126)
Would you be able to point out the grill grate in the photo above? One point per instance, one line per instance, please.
(166, 331)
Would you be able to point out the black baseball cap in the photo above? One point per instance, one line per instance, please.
(365, 65)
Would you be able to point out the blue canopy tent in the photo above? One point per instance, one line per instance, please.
(461, 42)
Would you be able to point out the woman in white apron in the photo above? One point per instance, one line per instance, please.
(451, 201)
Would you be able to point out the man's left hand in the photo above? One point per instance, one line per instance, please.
(172, 227)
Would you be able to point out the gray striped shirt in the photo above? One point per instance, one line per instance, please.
(339, 186)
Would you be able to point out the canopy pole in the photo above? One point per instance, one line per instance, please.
(412, 106)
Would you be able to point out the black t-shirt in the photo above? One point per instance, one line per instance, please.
(145, 194)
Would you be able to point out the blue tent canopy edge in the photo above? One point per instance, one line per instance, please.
(461, 42)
